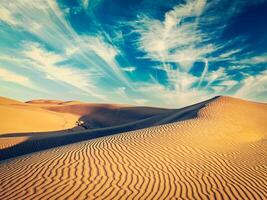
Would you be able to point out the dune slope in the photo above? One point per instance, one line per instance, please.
(20, 117)
(221, 154)
(137, 118)
(37, 117)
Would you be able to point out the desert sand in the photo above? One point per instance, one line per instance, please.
(219, 154)
(18, 117)
(23, 123)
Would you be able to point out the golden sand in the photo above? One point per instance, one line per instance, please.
(18, 117)
(38, 117)
(222, 154)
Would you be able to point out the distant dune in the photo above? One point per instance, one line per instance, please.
(53, 115)
(18, 117)
(212, 150)
(45, 102)
(7, 101)
(98, 120)
(50, 118)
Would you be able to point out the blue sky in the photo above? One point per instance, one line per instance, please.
(142, 52)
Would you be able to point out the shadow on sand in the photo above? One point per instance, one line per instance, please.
(55, 139)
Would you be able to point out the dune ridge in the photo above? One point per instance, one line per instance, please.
(132, 118)
(40, 116)
(221, 154)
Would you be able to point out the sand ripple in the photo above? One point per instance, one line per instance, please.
(194, 159)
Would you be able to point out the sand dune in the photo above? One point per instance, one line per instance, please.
(52, 115)
(36, 117)
(44, 102)
(132, 118)
(17, 117)
(106, 115)
(221, 154)
(39, 116)
(7, 101)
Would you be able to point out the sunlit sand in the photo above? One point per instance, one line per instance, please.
(220, 154)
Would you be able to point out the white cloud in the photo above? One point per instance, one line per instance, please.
(70, 51)
(218, 88)
(224, 81)
(105, 51)
(89, 4)
(229, 53)
(172, 97)
(121, 91)
(47, 22)
(254, 87)
(177, 94)
(85, 3)
(128, 69)
(238, 67)
(176, 42)
(13, 77)
(228, 84)
(6, 16)
(189, 9)
(218, 74)
(174, 39)
(48, 63)
(140, 102)
(204, 72)
(181, 89)
(254, 60)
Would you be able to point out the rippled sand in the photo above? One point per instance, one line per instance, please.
(221, 154)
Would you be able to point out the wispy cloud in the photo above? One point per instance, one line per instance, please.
(140, 102)
(171, 97)
(254, 60)
(107, 53)
(10, 76)
(175, 39)
(238, 67)
(85, 3)
(48, 23)
(177, 42)
(6, 16)
(229, 53)
(49, 63)
(121, 91)
(129, 69)
(254, 87)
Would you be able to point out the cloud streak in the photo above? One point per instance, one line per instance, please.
(12, 77)
(177, 43)
(254, 87)
(175, 39)
(48, 63)
(47, 22)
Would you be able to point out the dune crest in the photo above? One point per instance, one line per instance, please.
(95, 120)
(228, 121)
(7, 101)
(44, 101)
(213, 156)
